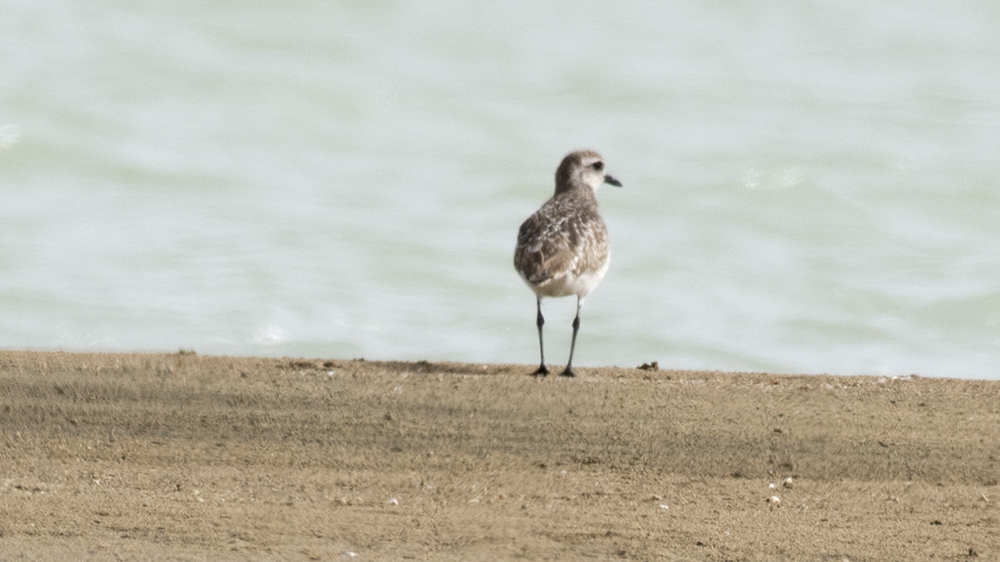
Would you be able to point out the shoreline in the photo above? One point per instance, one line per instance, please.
(154, 456)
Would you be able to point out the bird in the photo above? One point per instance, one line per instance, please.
(562, 249)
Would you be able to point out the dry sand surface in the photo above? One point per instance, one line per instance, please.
(184, 457)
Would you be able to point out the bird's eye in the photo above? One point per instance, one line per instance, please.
(597, 165)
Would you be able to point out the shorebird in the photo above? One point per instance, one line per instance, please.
(563, 249)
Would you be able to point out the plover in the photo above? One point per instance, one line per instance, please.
(563, 248)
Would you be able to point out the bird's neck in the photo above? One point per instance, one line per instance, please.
(575, 190)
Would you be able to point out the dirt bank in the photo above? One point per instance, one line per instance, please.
(135, 456)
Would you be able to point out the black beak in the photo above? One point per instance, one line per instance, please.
(612, 181)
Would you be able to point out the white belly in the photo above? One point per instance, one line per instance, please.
(572, 283)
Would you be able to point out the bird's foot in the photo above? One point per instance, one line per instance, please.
(541, 371)
(569, 372)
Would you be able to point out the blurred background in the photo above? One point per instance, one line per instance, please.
(810, 187)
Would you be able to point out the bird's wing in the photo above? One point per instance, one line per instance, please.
(550, 245)
(541, 253)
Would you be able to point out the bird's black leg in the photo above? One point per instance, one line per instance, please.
(540, 320)
(572, 346)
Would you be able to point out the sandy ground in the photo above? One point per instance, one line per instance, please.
(184, 457)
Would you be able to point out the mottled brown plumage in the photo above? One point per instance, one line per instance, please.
(565, 239)
(563, 248)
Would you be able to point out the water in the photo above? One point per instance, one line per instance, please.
(809, 186)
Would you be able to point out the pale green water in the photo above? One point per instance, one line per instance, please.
(809, 186)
